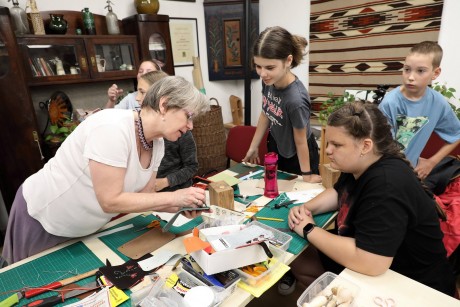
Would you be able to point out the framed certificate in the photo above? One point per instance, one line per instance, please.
(184, 40)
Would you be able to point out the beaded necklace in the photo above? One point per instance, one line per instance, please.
(140, 132)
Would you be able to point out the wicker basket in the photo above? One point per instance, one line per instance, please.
(209, 134)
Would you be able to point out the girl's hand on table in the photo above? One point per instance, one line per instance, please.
(313, 178)
(298, 217)
(252, 156)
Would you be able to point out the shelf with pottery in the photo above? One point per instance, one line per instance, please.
(78, 58)
(64, 57)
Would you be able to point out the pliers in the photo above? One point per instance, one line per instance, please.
(284, 204)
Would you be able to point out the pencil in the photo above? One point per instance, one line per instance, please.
(269, 219)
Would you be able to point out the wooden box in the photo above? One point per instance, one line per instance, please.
(329, 175)
(221, 194)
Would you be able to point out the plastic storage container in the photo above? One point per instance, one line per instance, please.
(220, 293)
(328, 281)
(278, 257)
(281, 240)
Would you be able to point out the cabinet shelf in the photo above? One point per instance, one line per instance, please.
(84, 58)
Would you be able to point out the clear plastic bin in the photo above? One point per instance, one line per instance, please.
(328, 281)
(255, 281)
(221, 216)
(281, 239)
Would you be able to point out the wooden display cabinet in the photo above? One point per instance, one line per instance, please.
(154, 38)
(20, 146)
(117, 56)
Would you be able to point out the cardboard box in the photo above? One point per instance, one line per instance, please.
(229, 259)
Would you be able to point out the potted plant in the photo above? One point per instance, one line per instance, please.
(58, 133)
(332, 104)
(449, 93)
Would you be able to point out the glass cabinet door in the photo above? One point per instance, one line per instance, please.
(157, 49)
(111, 57)
(59, 61)
(4, 59)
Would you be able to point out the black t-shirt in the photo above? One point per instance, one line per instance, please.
(389, 213)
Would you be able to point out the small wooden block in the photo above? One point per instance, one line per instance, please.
(329, 175)
(221, 195)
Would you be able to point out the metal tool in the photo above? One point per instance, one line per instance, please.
(24, 293)
(152, 224)
(53, 300)
(284, 204)
(175, 216)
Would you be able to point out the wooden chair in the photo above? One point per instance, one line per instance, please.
(238, 141)
(433, 145)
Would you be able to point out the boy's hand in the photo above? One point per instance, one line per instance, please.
(424, 167)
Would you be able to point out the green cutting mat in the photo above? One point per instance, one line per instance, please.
(117, 239)
(64, 263)
(297, 242)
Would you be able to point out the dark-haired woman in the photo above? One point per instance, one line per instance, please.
(386, 219)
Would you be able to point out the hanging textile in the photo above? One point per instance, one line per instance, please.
(361, 44)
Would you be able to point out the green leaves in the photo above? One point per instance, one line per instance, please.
(449, 93)
(332, 104)
(59, 134)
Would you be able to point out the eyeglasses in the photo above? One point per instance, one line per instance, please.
(189, 116)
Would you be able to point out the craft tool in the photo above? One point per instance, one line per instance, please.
(175, 216)
(251, 174)
(54, 300)
(111, 231)
(58, 284)
(152, 224)
(284, 204)
(269, 219)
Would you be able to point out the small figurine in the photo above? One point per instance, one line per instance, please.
(59, 66)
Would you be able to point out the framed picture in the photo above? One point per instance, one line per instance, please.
(225, 38)
(184, 40)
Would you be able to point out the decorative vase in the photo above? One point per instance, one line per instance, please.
(19, 16)
(88, 22)
(57, 24)
(147, 6)
(111, 20)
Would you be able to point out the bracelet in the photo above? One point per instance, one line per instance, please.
(306, 173)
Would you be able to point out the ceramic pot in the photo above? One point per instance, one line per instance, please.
(57, 24)
(147, 6)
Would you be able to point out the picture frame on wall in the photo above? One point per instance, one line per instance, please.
(225, 38)
(184, 40)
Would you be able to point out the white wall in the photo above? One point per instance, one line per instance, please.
(292, 14)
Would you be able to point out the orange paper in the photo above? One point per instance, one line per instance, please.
(193, 244)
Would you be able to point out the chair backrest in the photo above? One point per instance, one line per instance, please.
(238, 141)
(434, 144)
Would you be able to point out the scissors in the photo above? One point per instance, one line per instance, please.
(284, 204)
(152, 224)
(384, 302)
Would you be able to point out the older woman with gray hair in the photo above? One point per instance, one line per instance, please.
(107, 166)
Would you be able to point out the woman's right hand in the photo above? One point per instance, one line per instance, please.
(114, 92)
(189, 197)
(252, 156)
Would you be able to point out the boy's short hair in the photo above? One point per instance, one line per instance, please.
(429, 47)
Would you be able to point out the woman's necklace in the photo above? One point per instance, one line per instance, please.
(140, 131)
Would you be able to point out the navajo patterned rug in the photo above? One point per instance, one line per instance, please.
(361, 44)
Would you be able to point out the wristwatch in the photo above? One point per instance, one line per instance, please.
(307, 229)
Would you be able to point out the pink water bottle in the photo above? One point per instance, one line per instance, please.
(271, 168)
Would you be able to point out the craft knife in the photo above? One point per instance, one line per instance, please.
(53, 300)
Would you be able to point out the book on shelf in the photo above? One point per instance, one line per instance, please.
(33, 69)
(45, 67)
(39, 66)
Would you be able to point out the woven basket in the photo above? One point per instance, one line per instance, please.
(209, 134)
